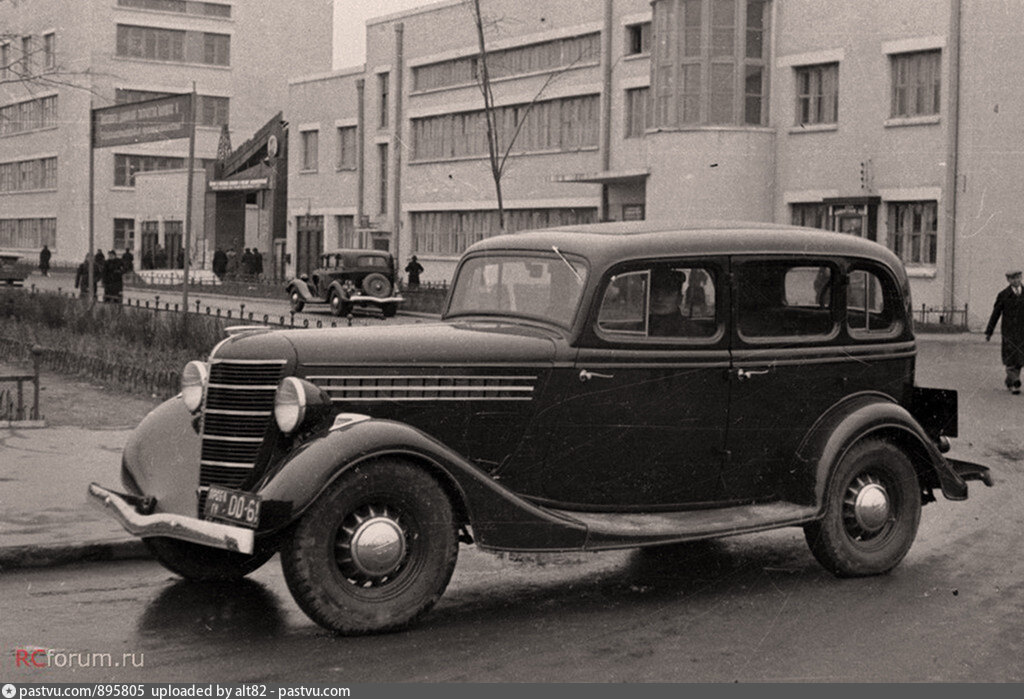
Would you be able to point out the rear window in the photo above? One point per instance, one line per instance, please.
(785, 299)
(372, 261)
(872, 305)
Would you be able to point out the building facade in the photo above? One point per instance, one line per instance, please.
(59, 60)
(893, 121)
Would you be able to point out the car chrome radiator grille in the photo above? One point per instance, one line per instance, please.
(238, 409)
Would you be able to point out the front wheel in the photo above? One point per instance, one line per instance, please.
(340, 306)
(297, 302)
(872, 511)
(204, 563)
(375, 551)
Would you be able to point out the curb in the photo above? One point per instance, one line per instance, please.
(15, 557)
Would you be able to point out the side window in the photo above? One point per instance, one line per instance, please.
(785, 299)
(662, 301)
(870, 310)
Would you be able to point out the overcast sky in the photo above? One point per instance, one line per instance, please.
(350, 25)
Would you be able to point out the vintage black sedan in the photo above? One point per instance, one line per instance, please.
(597, 387)
(346, 279)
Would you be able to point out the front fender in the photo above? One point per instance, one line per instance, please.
(302, 287)
(499, 518)
(864, 416)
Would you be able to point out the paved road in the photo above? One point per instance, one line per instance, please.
(744, 609)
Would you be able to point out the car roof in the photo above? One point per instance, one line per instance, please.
(356, 251)
(607, 243)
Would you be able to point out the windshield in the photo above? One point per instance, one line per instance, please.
(545, 286)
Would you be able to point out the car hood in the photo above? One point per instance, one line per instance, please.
(412, 344)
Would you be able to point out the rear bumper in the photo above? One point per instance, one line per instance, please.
(970, 471)
(123, 509)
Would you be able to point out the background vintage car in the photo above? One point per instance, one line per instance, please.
(14, 270)
(347, 278)
(551, 409)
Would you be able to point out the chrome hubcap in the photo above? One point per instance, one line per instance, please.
(371, 546)
(866, 507)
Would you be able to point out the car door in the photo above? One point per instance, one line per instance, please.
(789, 367)
(640, 424)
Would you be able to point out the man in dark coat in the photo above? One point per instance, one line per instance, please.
(113, 283)
(220, 263)
(414, 269)
(44, 261)
(1010, 305)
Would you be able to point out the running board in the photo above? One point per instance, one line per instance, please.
(607, 530)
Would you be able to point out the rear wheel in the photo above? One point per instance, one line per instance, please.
(375, 551)
(203, 563)
(376, 284)
(872, 511)
(297, 302)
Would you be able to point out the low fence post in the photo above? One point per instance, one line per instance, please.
(37, 356)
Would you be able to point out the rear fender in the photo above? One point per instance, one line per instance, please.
(868, 415)
(499, 518)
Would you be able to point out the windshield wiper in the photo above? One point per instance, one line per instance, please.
(567, 263)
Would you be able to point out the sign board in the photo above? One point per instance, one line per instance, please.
(234, 185)
(160, 119)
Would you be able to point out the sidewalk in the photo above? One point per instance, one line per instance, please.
(44, 472)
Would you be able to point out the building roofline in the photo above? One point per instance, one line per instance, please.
(339, 73)
(424, 9)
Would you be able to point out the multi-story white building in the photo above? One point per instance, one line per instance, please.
(897, 121)
(59, 59)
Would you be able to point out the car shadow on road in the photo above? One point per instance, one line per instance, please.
(213, 610)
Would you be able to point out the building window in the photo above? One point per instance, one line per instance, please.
(191, 7)
(567, 124)
(382, 159)
(541, 57)
(638, 38)
(26, 55)
(310, 150)
(28, 233)
(50, 51)
(915, 83)
(383, 85)
(210, 111)
(451, 232)
(809, 215)
(28, 175)
(710, 62)
(127, 166)
(173, 45)
(29, 115)
(817, 94)
(346, 148)
(124, 233)
(348, 237)
(913, 231)
(636, 111)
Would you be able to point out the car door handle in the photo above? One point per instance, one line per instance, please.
(588, 375)
(744, 374)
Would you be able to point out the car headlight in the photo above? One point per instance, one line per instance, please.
(289, 404)
(193, 382)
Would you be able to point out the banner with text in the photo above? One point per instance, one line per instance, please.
(160, 119)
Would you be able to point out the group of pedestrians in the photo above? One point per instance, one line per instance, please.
(108, 269)
(248, 264)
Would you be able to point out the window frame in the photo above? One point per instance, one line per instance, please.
(310, 150)
(912, 82)
(812, 102)
(737, 265)
(347, 148)
(639, 38)
(904, 247)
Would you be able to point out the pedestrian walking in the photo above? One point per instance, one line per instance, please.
(413, 269)
(1010, 306)
(113, 283)
(257, 259)
(44, 261)
(220, 263)
(128, 263)
(82, 277)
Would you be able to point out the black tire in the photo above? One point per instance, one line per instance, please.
(405, 571)
(203, 563)
(376, 284)
(340, 306)
(872, 511)
(296, 301)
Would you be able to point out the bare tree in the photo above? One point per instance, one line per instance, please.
(499, 143)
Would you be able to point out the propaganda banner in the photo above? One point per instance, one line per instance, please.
(160, 119)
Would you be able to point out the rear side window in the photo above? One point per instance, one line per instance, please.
(872, 305)
(785, 299)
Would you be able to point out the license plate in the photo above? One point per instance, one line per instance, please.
(232, 506)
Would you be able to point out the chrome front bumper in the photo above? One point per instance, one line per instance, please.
(221, 536)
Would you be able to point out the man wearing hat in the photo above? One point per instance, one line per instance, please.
(666, 319)
(1010, 305)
